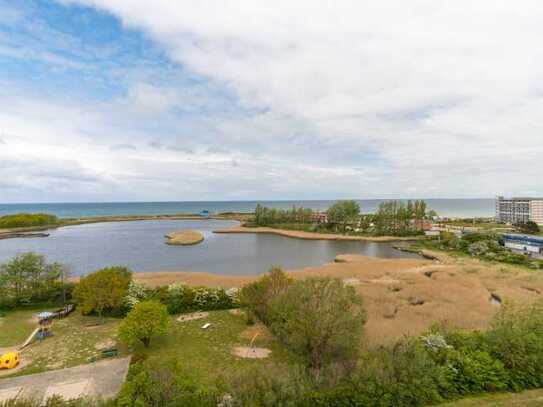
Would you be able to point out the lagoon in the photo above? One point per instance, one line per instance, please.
(141, 246)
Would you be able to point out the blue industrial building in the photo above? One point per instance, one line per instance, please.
(528, 244)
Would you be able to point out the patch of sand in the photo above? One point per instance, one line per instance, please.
(236, 311)
(185, 237)
(105, 344)
(251, 353)
(192, 317)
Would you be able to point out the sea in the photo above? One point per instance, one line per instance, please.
(457, 208)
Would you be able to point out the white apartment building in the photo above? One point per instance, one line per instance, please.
(519, 210)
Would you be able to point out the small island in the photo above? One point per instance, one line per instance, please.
(185, 237)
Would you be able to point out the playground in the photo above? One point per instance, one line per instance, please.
(79, 340)
(53, 343)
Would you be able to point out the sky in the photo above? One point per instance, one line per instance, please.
(137, 100)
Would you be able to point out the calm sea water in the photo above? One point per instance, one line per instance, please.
(444, 207)
(140, 245)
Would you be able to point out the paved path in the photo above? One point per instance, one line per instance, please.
(101, 379)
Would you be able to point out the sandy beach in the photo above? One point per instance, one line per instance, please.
(315, 236)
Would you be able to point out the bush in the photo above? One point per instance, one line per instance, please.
(478, 248)
(27, 220)
(257, 295)
(147, 319)
(516, 339)
(262, 386)
(104, 290)
(165, 385)
(320, 319)
(180, 298)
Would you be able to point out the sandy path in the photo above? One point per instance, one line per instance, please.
(313, 236)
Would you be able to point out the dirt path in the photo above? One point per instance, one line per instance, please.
(101, 379)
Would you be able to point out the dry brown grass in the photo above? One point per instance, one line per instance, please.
(407, 296)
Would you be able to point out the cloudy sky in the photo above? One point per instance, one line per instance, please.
(115, 100)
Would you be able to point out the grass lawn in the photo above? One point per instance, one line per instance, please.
(529, 398)
(207, 353)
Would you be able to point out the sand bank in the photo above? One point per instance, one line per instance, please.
(185, 237)
(314, 236)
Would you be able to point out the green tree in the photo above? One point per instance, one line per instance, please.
(344, 213)
(28, 277)
(147, 319)
(103, 290)
(321, 319)
(529, 227)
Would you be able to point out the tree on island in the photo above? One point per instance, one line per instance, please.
(103, 290)
(147, 319)
(344, 213)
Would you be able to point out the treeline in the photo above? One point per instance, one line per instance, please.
(398, 218)
(27, 220)
(270, 216)
(28, 278)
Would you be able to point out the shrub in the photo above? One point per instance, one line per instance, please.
(103, 291)
(516, 339)
(147, 319)
(320, 319)
(165, 385)
(136, 292)
(180, 298)
(257, 295)
(270, 385)
(478, 248)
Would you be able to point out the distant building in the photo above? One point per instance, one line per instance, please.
(527, 244)
(319, 217)
(519, 210)
(205, 214)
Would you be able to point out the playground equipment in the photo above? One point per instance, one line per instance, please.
(45, 320)
(9, 360)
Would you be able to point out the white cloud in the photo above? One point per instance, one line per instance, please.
(346, 98)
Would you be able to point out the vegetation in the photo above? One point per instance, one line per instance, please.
(21, 220)
(270, 216)
(486, 246)
(320, 319)
(103, 291)
(28, 278)
(529, 227)
(344, 213)
(147, 319)
(180, 298)
(395, 218)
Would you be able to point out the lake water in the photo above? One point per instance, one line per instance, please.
(444, 207)
(140, 245)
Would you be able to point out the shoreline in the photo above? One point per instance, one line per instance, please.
(298, 234)
(13, 233)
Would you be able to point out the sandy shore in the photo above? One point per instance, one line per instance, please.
(405, 296)
(314, 236)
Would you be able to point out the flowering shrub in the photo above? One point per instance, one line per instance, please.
(181, 298)
(136, 292)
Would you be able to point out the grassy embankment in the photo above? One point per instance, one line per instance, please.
(76, 339)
